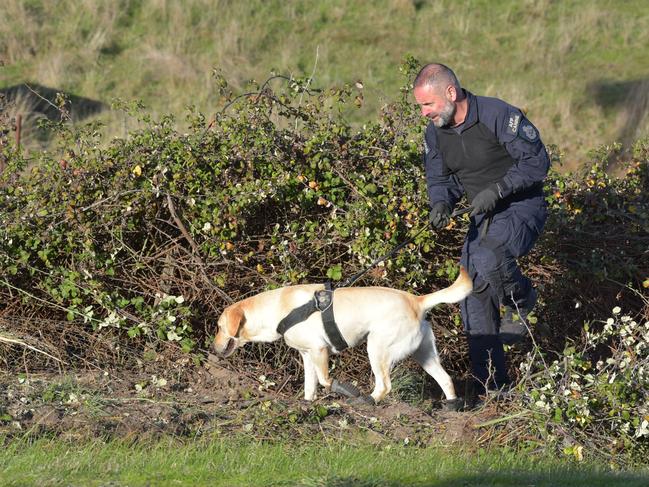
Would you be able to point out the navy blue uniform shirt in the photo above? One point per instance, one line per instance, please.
(495, 144)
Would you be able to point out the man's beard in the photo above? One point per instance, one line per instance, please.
(446, 115)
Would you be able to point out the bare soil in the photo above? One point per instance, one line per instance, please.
(213, 399)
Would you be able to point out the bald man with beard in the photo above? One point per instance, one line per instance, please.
(485, 149)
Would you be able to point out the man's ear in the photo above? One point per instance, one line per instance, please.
(451, 93)
(234, 319)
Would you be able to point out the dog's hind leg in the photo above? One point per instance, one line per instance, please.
(426, 355)
(310, 376)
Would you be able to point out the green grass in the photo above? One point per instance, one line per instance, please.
(239, 462)
(561, 61)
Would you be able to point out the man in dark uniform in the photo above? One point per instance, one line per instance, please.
(487, 149)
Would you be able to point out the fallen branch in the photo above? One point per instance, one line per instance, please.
(500, 420)
(5, 339)
(195, 248)
(182, 228)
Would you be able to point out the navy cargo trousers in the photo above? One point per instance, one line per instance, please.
(489, 256)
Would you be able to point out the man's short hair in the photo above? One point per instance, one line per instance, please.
(436, 75)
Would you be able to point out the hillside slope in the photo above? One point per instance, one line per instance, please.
(579, 68)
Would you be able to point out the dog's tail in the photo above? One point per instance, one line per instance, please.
(457, 291)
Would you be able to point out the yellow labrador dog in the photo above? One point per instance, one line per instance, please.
(392, 321)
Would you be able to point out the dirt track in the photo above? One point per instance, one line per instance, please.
(210, 400)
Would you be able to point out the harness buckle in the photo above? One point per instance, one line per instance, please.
(323, 299)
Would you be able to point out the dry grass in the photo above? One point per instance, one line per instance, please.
(18, 32)
(540, 55)
(632, 121)
(26, 107)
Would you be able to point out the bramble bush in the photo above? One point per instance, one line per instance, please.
(154, 234)
(145, 239)
(584, 391)
(592, 399)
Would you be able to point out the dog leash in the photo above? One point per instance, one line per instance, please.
(348, 282)
(323, 299)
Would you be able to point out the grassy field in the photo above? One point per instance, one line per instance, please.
(230, 462)
(579, 68)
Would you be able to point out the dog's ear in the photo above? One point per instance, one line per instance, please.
(234, 319)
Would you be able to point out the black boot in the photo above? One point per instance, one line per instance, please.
(513, 324)
(487, 363)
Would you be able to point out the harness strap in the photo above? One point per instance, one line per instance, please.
(330, 326)
(322, 301)
(298, 315)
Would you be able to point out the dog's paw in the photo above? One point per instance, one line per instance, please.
(453, 405)
(345, 388)
(364, 400)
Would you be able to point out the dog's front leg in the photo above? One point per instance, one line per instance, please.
(320, 359)
(310, 377)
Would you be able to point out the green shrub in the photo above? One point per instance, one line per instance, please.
(593, 400)
(155, 233)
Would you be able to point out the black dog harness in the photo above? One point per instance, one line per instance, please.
(322, 301)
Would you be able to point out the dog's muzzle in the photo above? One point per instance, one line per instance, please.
(226, 348)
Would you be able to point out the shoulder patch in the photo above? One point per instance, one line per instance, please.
(512, 124)
(528, 132)
(426, 148)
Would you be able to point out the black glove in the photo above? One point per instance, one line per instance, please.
(485, 200)
(440, 214)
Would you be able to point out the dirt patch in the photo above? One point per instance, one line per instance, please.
(211, 399)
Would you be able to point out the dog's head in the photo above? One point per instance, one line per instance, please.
(230, 326)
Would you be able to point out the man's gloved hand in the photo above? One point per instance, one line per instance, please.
(485, 200)
(440, 215)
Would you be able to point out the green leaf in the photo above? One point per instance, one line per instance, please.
(370, 188)
(321, 411)
(335, 273)
(134, 332)
(187, 345)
